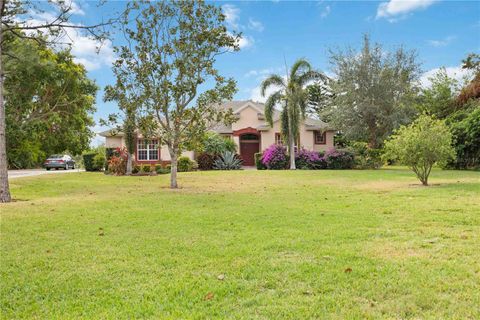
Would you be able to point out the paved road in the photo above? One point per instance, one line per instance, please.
(12, 174)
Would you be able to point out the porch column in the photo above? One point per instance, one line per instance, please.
(236, 139)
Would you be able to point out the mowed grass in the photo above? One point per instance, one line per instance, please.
(244, 244)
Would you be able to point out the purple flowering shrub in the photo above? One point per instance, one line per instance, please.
(275, 157)
(306, 159)
(339, 159)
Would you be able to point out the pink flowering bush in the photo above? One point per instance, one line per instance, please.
(306, 159)
(275, 157)
(339, 159)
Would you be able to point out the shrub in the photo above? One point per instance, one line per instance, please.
(305, 159)
(194, 165)
(118, 161)
(227, 161)
(135, 169)
(420, 145)
(161, 170)
(99, 162)
(339, 159)
(275, 157)
(109, 152)
(258, 161)
(184, 164)
(146, 168)
(205, 161)
(366, 157)
(215, 144)
(88, 161)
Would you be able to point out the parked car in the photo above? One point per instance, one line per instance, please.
(59, 161)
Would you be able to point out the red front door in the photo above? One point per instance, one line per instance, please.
(249, 145)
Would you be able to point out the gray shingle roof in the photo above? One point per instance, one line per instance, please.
(310, 123)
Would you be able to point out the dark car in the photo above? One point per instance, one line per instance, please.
(59, 161)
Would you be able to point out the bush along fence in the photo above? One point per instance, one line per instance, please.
(275, 157)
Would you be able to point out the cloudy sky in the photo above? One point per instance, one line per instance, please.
(442, 33)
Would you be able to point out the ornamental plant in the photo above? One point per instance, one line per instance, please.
(117, 164)
(275, 157)
(339, 159)
(306, 159)
(421, 145)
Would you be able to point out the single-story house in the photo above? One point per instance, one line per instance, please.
(250, 132)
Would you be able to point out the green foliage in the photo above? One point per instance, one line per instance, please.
(227, 161)
(438, 99)
(136, 169)
(214, 144)
(49, 103)
(161, 170)
(258, 161)
(99, 161)
(421, 145)
(146, 168)
(366, 157)
(88, 161)
(185, 164)
(374, 90)
(465, 127)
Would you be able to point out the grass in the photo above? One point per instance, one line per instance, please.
(245, 244)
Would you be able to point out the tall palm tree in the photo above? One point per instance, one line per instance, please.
(292, 96)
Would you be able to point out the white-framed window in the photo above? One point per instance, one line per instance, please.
(147, 149)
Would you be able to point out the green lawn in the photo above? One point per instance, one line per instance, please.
(290, 245)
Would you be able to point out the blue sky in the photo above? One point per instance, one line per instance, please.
(442, 33)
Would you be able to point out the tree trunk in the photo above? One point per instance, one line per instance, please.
(173, 164)
(129, 163)
(4, 188)
(291, 138)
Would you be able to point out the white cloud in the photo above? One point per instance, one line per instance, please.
(262, 73)
(245, 42)
(93, 54)
(394, 10)
(457, 73)
(256, 95)
(232, 15)
(255, 25)
(325, 12)
(442, 42)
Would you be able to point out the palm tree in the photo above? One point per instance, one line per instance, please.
(292, 95)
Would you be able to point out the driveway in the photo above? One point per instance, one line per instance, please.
(12, 174)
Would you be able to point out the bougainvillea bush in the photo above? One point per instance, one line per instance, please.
(306, 159)
(275, 157)
(339, 159)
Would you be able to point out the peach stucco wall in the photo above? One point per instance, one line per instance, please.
(248, 118)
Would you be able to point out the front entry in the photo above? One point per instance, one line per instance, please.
(249, 145)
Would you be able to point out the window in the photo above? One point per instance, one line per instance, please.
(320, 137)
(147, 149)
(278, 138)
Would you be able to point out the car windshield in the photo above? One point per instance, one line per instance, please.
(56, 156)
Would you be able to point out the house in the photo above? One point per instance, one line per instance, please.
(250, 132)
